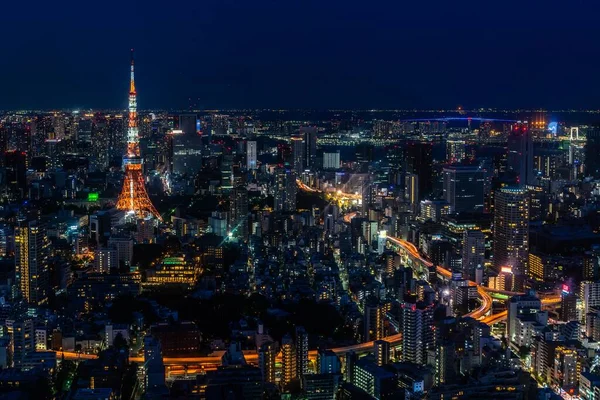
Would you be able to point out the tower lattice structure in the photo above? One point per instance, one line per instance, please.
(133, 197)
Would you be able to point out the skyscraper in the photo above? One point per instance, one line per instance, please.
(417, 323)
(251, 154)
(285, 189)
(511, 229)
(473, 252)
(464, 188)
(309, 136)
(373, 321)
(187, 146)
(134, 198)
(301, 351)
(266, 361)
(520, 154)
(455, 150)
(31, 262)
(239, 213)
(298, 155)
(288, 360)
(418, 160)
(592, 152)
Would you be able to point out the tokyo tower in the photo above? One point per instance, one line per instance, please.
(133, 197)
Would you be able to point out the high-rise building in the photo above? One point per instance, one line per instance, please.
(22, 334)
(473, 252)
(464, 188)
(239, 213)
(298, 155)
(84, 131)
(331, 160)
(411, 191)
(266, 361)
(382, 352)
(520, 154)
(106, 260)
(309, 136)
(417, 323)
(285, 189)
(134, 198)
(434, 210)
(187, 148)
(328, 362)
(520, 307)
(418, 160)
(373, 321)
(511, 229)
(251, 154)
(444, 362)
(589, 293)
(31, 262)
(565, 374)
(288, 360)
(568, 305)
(301, 351)
(592, 153)
(154, 368)
(455, 150)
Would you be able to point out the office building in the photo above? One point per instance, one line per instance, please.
(22, 334)
(187, 153)
(464, 188)
(105, 260)
(331, 160)
(418, 160)
(309, 137)
(520, 154)
(377, 382)
(411, 192)
(154, 368)
(298, 155)
(31, 262)
(328, 362)
(455, 150)
(511, 229)
(473, 252)
(592, 153)
(589, 293)
(251, 155)
(285, 190)
(434, 210)
(239, 213)
(522, 306)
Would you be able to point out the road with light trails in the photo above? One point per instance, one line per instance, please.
(251, 356)
(339, 193)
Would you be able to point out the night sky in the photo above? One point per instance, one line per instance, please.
(301, 54)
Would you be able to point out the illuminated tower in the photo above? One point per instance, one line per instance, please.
(133, 197)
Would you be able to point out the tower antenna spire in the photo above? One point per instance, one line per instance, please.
(132, 79)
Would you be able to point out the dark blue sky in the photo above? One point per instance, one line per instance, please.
(301, 53)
